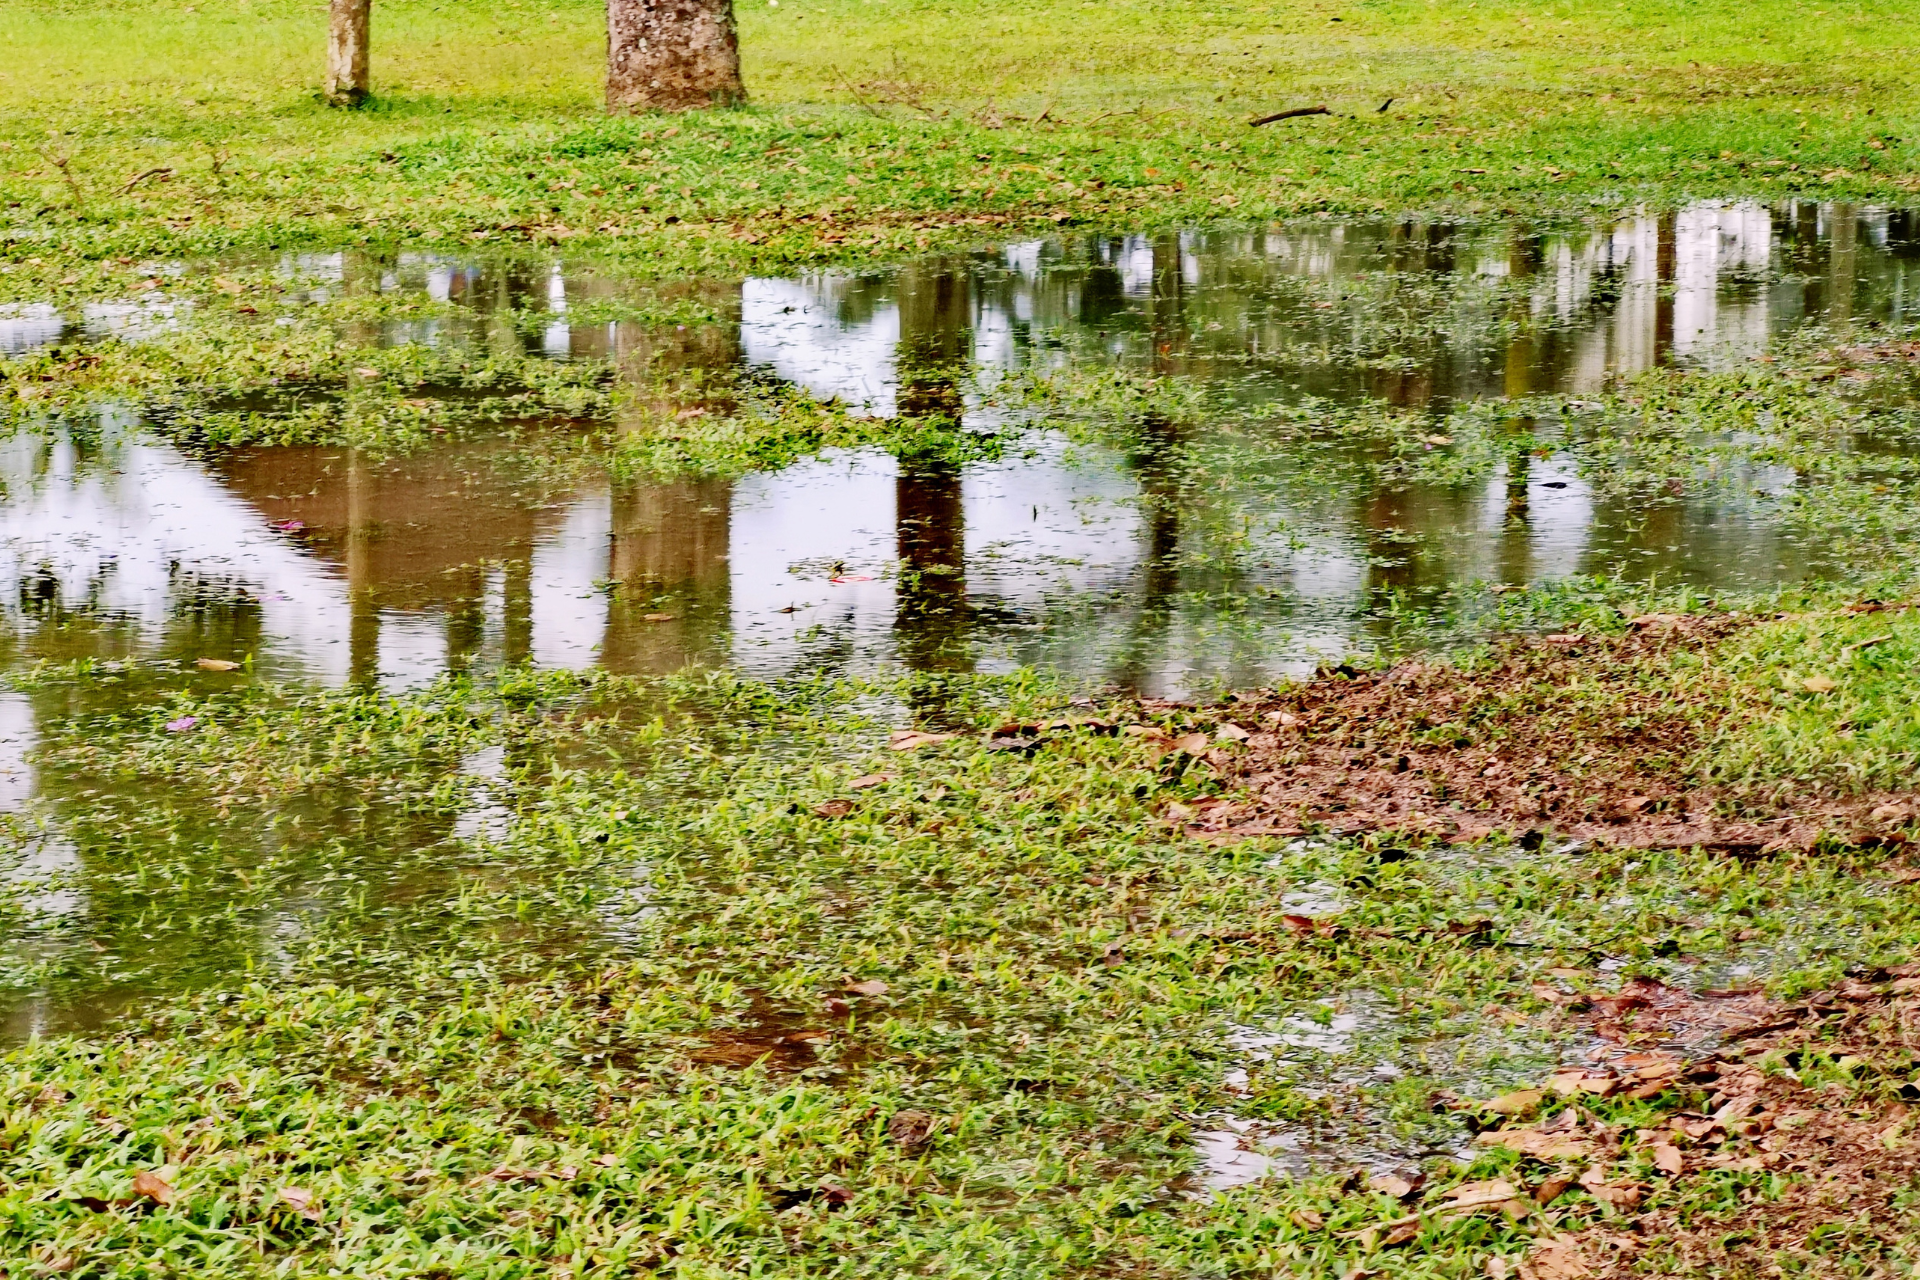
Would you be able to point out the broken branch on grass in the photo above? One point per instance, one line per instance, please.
(61, 163)
(138, 178)
(1257, 121)
(860, 99)
(1470, 1202)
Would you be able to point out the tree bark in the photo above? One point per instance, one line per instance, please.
(347, 52)
(671, 55)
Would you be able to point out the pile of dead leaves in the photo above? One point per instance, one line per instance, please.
(1815, 1177)
(1573, 737)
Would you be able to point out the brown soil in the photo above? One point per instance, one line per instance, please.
(1583, 738)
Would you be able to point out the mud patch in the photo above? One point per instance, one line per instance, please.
(1581, 738)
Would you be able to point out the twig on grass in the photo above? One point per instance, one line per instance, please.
(1470, 1202)
(161, 171)
(62, 163)
(1257, 121)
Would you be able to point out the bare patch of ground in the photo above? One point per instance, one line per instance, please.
(1580, 737)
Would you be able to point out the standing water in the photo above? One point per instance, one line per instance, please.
(1182, 560)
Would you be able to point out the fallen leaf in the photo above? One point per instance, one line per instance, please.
(1389, 1184)
(368, 373)
(1566, 1083)
(1551, 1189)
(154, 1187)
(1558, 1260)
(1491, 1189)
(1532, 1142)
(1667, 1159)
(1285, 719)
(913, 739)
(1566, 638)
(834, 808)
(300, 1200)
(869, 780)
(1230, 733)
(1518, 1103)
(216, 664)
(1310, 1219)
(1193, 743)
(1400, 1234)
(183, 724)
(1818, 684)
(1617, 1196)
(910, 1129)
(871, 987)
(658, 617)
(607, 1161)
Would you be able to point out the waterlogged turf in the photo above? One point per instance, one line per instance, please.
(544, 737)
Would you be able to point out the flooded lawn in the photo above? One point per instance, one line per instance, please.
(329, 709)
(1186, 557)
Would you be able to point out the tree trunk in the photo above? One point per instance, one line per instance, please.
(347, 52)
(671, 55)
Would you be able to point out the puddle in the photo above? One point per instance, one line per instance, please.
(1173, 564)
(1343, 1058)
(1098, 561)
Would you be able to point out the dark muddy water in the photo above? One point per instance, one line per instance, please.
(1102, 562)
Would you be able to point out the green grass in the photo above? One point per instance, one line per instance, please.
(487, 127)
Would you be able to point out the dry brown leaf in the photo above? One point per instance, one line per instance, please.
(871, 987)
(1389, 1184)
(658, 617)
(216, 664)
(1618, 1196)
(1309, 1219)
(913, 739)
(300, 1200)
(1558, 1260)
(1491, 1189)
(1230, 733)
(1566, 1083)
(834, 808)
(1818, 684)
(1667, 1159)
(154, 1187)
(869, 780)
(910, 1129)
(1400, 1234)
(1551, 1189)
(1531, 1142)
(1193, 743)
(1518, 1103)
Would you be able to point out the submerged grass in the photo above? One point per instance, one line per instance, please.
(991, 993)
